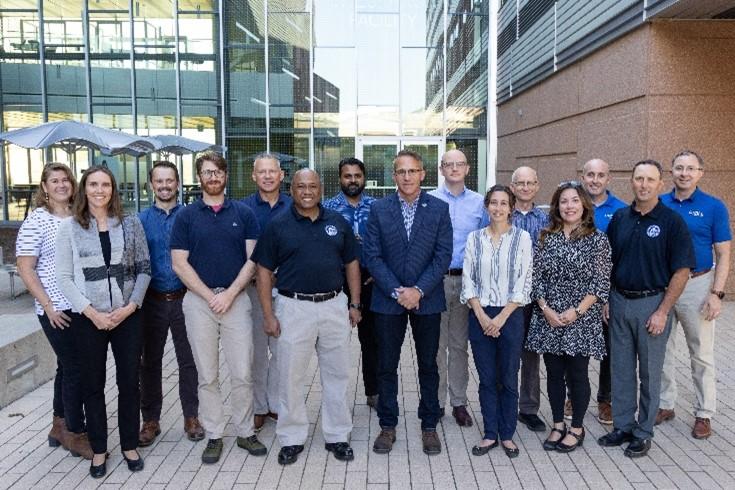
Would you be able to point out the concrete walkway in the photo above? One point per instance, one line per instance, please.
(675, 461)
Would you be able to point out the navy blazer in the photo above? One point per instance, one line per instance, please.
(394, 261)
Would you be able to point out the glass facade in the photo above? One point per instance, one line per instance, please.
(311, 80)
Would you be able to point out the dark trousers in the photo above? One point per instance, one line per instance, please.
(368, 341)
(391, 329)
(605, 383)
(497, 361)
(530, 394)
(562, 372)
(158, 317)
(67, 385)
(126, 340)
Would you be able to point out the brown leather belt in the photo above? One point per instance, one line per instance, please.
(698, 273)
(172, 296)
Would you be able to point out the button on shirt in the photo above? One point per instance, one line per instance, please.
(309, 255)
(356, 216)
(604, 212)
(263, 210)
(648, 249)
(157, 225)
(533, 222)
(467, 212)
(708, 222)
(409, 213)
(215, 241)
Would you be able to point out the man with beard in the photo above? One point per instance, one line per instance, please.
(211, 243)
(354, 206)
(162, 310)
(267, 202)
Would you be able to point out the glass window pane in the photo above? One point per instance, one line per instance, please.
(382, 6)
(377, 70)
(430, 154)
(378, 158)
(328, 151)
(335, 98)
(422, 99)
(422, 22)
(334, 23)
(378, 121)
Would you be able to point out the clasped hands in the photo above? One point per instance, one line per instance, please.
(490, 326)
(408, 297)
(108, 321)
(557, 320)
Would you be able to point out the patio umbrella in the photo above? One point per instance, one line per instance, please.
(170, 143)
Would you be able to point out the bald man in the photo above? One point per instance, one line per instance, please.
(527, 216)
(467, 212)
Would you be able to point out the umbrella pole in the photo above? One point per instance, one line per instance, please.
(137, 184)
(3, 182)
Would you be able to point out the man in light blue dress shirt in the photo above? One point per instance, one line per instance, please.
(467, 212)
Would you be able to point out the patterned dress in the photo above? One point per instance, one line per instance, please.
(564, 272)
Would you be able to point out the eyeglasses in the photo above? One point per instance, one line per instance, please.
(410, 172)
(454, 164)
(689, 170)
(528, 183)
(212, 173)
(575, 184)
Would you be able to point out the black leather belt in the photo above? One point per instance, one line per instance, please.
(454, 272)
(316, 297)
(171, 296)
(698, 273)
(640, 294)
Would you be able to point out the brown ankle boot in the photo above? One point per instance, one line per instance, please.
(78, 445)
(57, 432)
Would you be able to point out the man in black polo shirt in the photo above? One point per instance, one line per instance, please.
(652, 254)
(310, 246)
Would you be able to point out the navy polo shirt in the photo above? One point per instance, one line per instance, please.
(708, 222)
(157, 225)
(648, 249)
(604, 212)
(263, 210)
(309, 255)
(215, 241)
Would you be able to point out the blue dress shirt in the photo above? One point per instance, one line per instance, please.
(356, 216)
(157, 225)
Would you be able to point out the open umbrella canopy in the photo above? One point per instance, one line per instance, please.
(170, 143)
(71, 135)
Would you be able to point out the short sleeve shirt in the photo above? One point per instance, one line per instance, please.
(604, 212)
(37, 238)
(309, 255)
(215, 240)
(647, 249)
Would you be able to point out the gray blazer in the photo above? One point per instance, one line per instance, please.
(80, 267)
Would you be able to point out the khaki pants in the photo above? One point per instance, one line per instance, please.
(205, 330)
(700, 337)
(265, 361)
(304, 326)
(452, 356)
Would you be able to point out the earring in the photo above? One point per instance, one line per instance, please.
(46, 194)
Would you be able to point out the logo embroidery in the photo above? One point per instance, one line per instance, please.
(331, 230)
(234, 224)
(653, 231)
(698, 214)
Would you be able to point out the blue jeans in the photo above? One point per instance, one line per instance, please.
(390, 330)
(497, 361)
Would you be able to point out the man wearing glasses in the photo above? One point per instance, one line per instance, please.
(211, 243)
(408, 249)
(701, 302)
(527, 216)
(467, 212)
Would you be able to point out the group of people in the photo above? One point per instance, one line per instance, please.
(269, 279)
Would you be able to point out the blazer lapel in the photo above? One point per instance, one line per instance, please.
(397, 217)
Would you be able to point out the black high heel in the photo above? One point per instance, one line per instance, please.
(100, 470)
(563, 448)
(134, 464)
(551, 445)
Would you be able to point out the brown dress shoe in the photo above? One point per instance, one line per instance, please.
(384, 442)
(57, 433)
(194, 430)
(663, 415)
(702, 428)
(259, 421)
(604, 413)
(78, 445)
(462, 417)
(148, 433)
(430, 442)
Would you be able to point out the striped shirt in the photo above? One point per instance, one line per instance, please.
(498, 275)
(37, 238)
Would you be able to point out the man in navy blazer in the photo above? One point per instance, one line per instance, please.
(408, 249)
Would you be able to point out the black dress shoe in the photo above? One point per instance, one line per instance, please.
(549, 445)
(532, 421)
(615, 438)
(564, 448)
(478, 450)
(134, 464)
(289, 454)
(100, 470)
(637, 448)
(341, 450)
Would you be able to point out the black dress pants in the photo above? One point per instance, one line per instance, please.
(573, 369)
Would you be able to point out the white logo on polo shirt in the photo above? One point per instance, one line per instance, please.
(698, 214)
(653, 231)
(331, 230)
(234, 224)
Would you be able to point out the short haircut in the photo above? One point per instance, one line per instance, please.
(211, 156)
(650, 162)
(408, 153)
(688, 153)
(163, 164)
(264, 155)
(351, 161)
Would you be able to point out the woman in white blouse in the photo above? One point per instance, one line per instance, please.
(496, 281)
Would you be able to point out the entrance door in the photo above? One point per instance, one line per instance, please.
(378, 153)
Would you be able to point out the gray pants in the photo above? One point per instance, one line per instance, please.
(632, 346)
(265, 361)
(452, 356)
(529, 399)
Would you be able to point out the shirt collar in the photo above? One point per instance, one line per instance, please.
(654, 213)
(300, 217)
(200, 203)
(691, 198)
(535, 210)
(259, 200)
(341, 199)
(448, 193)
(162, 211)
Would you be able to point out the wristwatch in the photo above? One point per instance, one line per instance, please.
(719, 294)
(578, 311)
(356, 306)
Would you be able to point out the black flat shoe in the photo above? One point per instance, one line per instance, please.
(551, 445)
(289, 454)
(341, 450)
(134, 464)
(564, 448)
(637, 448)
(100, 470)
(511, 452)
(483, 450)
(615, 438)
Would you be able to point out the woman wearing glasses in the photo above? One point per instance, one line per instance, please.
(571, 282)
(103, 267)
(496, 282)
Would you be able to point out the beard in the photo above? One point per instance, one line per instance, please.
(214, 187)
(352, 190)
